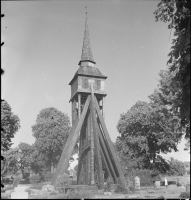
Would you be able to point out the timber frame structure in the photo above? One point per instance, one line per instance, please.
(97, 157)
(97, 146)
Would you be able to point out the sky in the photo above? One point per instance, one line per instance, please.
(43, 45)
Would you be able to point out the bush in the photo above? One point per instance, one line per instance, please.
(2, 189)
(185, 195)
(63, 181)
(169, 183)
(9, 187)
(48, 176)
(130, 185)
(178, 184)
(109, 182)
(16, 181)
(121, 188)
(34, 179)
(147, 177)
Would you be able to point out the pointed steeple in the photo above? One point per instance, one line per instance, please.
(87, 55)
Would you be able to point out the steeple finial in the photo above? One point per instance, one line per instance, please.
(86, 49)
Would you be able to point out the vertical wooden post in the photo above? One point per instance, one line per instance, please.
(79, 105)
(103, 104)
(72, 112)
(96, 140)
(92, 151)
(89, 154)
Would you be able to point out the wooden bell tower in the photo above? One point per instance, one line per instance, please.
(97, 158)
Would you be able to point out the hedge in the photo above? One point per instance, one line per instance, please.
(147, 177)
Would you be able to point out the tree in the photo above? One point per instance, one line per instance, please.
(9, 165)
(10, 124)
(76, 168)
(165, 95)
(24, 155)
(177, 168)
(146, 130)
(187, 166)
(177, 14)
(51, 132)
(17, 160)
(187, 145)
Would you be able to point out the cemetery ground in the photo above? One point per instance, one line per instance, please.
(43, 190)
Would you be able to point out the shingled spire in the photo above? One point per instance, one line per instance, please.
(87, 55)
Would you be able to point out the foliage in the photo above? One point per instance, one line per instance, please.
(130, 184)
(109, 182)
(16, 181)
(10, 124)
(63, 181)
(17, 160)
(178, 184)
(9, 187)
(9, 165)
(48, 176)
(177, 14)
(34, 179)
(177, 168)
(187, 145)
(146, 130)
(147, 177)
(37, 163)
(76, 168)
(24, 155)
(121, 188)
(185, 195)
(51, 132)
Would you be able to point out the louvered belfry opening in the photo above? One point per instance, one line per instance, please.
(97, 158)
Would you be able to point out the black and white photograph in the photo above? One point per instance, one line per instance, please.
(95, 99)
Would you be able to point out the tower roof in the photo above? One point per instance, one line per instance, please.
(88, 71)
(86, 49)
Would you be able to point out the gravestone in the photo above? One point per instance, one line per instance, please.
(157, 184)
(137, 183)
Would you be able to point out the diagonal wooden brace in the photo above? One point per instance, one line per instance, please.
(70, 144)
(121, 175)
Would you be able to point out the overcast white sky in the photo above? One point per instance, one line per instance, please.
(43, 44)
